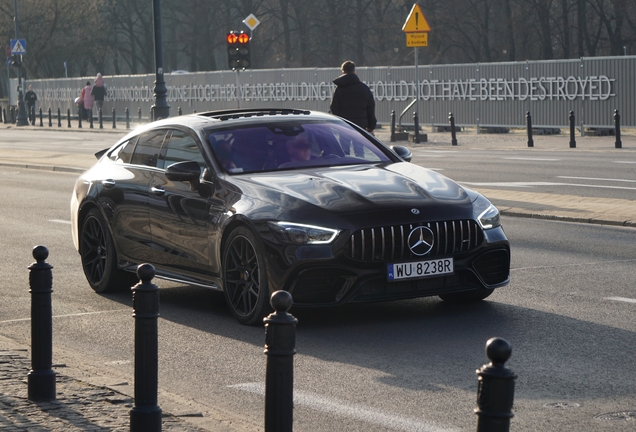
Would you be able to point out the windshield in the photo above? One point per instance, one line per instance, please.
(291, 144)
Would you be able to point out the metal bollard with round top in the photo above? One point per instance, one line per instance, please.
(41, 378)
(495, 393)
(145, 416)
(280, 347)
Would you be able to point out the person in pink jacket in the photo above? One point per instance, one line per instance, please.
(88, 99)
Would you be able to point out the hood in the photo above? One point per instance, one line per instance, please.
(346, 80)
(366, 189)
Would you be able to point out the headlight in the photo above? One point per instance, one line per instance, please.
(486, 213)
(303, 234)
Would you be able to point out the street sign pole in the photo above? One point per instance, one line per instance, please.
(22, 115)
(417, 89)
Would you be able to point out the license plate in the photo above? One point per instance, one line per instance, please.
(420, 269)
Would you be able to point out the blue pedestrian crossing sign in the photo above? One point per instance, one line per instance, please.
(18, 46)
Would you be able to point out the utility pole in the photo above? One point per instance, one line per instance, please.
(22, 115)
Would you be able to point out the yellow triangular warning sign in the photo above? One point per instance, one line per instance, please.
(416, 22)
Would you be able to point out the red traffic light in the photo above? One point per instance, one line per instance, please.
(232, 38)
(243, 38)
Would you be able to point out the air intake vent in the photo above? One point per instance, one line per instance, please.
(390, 242)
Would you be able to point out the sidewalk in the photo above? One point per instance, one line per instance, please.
(79, 406)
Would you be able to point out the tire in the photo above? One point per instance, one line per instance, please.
(99, 257)
(245, 277)
(467, 296)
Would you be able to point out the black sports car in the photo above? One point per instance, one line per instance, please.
(257, 200)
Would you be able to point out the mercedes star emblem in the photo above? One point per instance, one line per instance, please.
(421, 240)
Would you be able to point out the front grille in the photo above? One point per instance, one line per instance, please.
(493, 267)
(390, 242)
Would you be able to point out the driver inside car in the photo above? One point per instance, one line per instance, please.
(299, 149)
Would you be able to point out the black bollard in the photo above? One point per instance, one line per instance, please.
(572, 140)
(4, 115)
(68, 116)
(41, 123)
(280, 347)
(139, 114)
(416, 124)
(617, 129)
(451, 119)
(41, 378)
(496, 389)
(59, 117)
(194, 111)
(127, 118)
(392, 125)
(179, 112)
(100, 117)
(529, 129)
(114, 119)
(50, 118)
(13, 119)
(146, 415)
(79, 119)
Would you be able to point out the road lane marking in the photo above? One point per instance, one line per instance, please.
(621, 299)
(596, 178)
(532, 184)
(354, 411)
(69, 315)
(532, 159)
(627, 162)
(60, 221)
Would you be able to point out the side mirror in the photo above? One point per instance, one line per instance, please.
(189, 171)
(403, 152)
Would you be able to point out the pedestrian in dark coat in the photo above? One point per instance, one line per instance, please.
(30, 97)
(353, 99)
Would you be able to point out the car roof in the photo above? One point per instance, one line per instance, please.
(222, 118)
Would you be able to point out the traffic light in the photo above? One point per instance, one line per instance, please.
(238, 50)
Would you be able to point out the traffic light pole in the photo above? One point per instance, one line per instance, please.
(22, 115)
(160, 109)
(238, 90)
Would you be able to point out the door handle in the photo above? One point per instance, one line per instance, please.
(159, 191)
(108, 184)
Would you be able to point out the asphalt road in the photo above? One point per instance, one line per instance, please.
(407, 365)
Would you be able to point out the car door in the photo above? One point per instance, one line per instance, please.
(124, 194)
(179, 210)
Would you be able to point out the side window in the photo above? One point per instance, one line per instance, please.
(180, 148)
(148, 147)
(123, 153)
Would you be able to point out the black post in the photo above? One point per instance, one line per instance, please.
(280, 347)
(451, 119)
(572, 140)
(41, 378)
(496, 389)
(127, 118)
(114, 119)
(79, 118)
(59, 117)
(41, 122)
(146, 415)
(4, 112)
(22, 114)
(160, 109)
(392, 125)
(50, 118)
(139, 114)
(416, 123)
(100, 117)
(529, 129)
(68, 116)
(179, 112)
(12, 115)
(617, 128)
